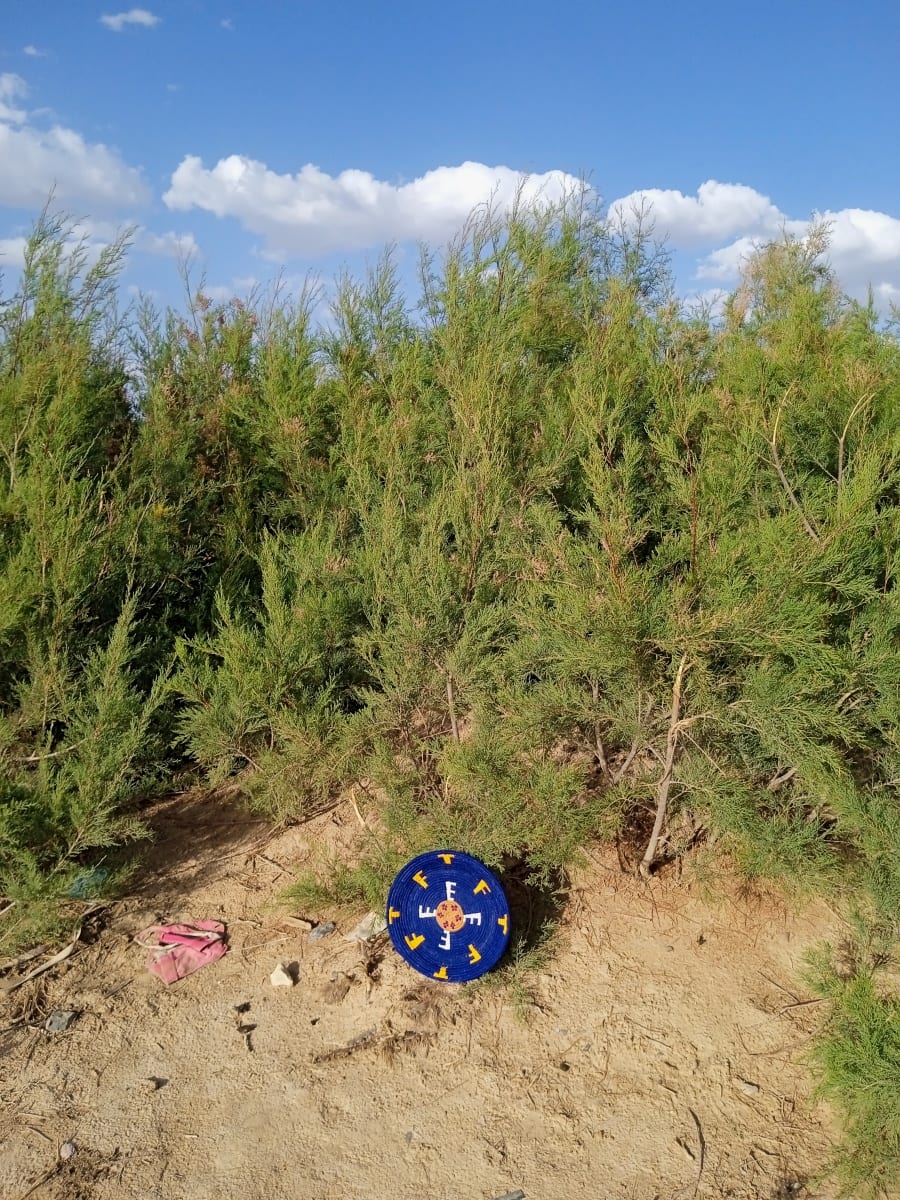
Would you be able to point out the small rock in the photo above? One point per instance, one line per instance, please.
(282, 977)
(370, 926)
(748, 1088)
(297, 923)
(67, 1150)
(322, 931)
(60, 1020)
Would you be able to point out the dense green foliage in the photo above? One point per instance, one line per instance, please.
(858, 1056)
(534, 563)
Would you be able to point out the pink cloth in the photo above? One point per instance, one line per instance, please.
(179, 950)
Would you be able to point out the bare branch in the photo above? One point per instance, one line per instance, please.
(454, 724)
(66, 952)
(843, 438)
(598, 741)
(33, 758)
(626, 763)
(810, 529)
(635, 746)
(665, 782)
(780, 779)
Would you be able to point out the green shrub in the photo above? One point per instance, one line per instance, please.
(543, 559)
(858, 1060)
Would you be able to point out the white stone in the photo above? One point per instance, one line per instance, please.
(281, 977)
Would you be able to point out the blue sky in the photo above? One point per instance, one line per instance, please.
(294, 136)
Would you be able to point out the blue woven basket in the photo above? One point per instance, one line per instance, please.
(447, 916)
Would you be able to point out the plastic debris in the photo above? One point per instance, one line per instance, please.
(282, 976)
(748, 1087)
(370, 926)
(89, 883)
(60, 1020)
(322, 931)
(179, 950)
(67, 1150)
(518, 1195)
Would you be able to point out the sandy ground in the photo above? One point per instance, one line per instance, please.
(660, 1054)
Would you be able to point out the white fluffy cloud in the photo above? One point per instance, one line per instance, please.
(864, 245)
(135, 16)
(92, 236)
(35, 161)
(12, 88)
(87, 237)
(719, 210)
(12, 254)
(868, 239)
(725, 263)
(312, 213)
(864, 250)
(34, 52)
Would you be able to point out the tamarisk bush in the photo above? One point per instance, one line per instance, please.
(535, 558)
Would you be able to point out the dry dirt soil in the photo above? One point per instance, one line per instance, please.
(660, 1052)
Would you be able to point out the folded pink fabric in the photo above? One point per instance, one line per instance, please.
(179, 950)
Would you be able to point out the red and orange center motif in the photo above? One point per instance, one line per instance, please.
(450, 916)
